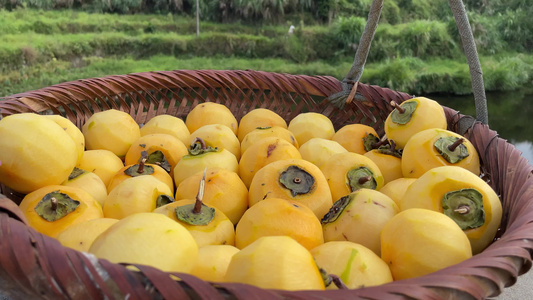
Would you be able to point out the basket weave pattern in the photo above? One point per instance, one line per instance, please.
(35, 266)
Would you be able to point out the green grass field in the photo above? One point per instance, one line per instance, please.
(43, 48)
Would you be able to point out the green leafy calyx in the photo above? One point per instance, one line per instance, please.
(297, 180)
(361, 177)
(55, 205)
(465, 207)
(402, 113)
(451, 148)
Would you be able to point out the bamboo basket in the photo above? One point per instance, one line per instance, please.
(34, 266)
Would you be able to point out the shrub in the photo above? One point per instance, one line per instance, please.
(507, 74)
(11, 59)
(486, 35)
(419, 38)
(29, 55)
(324, 44)
(232, 45)
(427, 38)
(117, 6)
(516, 27)
(424, 9)
(449, 77)
(347, 33)
(296, 50)
(397, 74)
(391, 13)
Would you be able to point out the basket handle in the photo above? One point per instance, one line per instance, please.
(349, 84)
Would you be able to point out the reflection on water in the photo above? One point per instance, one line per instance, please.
(526, 148)
(510, 115)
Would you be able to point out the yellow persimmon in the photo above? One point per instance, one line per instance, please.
(52, 209)
(259, 117)
(112, 130)
(389, 164)
(348, 171)
(263, 132)
(224, 190)
(262, 153)
(290, 265)
(462, 196)
(211, 113)
(433, 148)
(169, 125)
(306, 126)
(35, 152)
(352, 137)
(218, 230)
(412, 116)
(276, 216)
(162, 149)
(417, 241)
(103, 163)
(292, 179)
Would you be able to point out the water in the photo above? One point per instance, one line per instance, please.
(510, 115)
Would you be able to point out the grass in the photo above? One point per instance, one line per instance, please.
(23, 21)
(61, 21)
(408, 74)
(56, 71)
(42, 48)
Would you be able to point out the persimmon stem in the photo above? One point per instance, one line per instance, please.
(463, 209)
(398, 107)
(200, 196)
(456, 144)
(362, 180)
(201, 141)
(144, 158)
(53, 202)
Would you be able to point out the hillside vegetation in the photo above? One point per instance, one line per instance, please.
(416, 47)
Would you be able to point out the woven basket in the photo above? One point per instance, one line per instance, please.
(35, 266)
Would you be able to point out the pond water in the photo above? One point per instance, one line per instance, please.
(510, 115)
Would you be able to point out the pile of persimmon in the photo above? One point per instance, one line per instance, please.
(219, 197)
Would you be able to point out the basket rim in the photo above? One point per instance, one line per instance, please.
(484, 275)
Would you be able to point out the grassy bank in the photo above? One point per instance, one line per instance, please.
(41, 48)
(408, 74)
(423, 39)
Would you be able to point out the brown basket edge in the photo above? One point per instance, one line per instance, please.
(503, 145)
